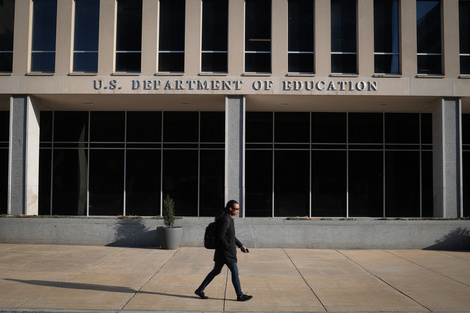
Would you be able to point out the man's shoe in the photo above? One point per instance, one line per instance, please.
(244, 298)
(201, 294)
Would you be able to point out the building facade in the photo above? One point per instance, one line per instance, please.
(320, 108)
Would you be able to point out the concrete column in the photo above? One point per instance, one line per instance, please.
(149, 37)
(447, 158)
(408, 44)
(107, 35)
(64, 43)
(365, 37)
(322, 38)
(23, 163)
(236, 37)
(235, 150)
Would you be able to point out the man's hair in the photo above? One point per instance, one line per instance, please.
(230, 204)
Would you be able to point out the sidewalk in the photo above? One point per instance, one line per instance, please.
(45, 278)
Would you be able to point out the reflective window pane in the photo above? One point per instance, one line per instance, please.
(69, 195)
(143, 169)
(343, 25)
(366, 183)
(45, 168)
(4, 126)
(401, 128)
(343, 63)
(212, 126)
(7, 13)
(171, 62)
(181, 126)
(71, 126)
(214, 35)
(44, 36)
(292, 127)
(300, 25)
(402, 184)
(129, 35)
(258, 183)
(171, 36)
(212, 182)
(45, 126)
(259, 127)
(427, 179)
(144, 126)
(180, 180)
(328, 127)
(464, 33)
(365, 127)
(466, 182)
(107, 126)
(428, 15)
(386, 26)
(214, 62)
(86, 33)
(388, 64)
(291, 183)
(328, 183)
(258, 35)
(301, 63)
(429, 64)
(3, 180)
(258, 62)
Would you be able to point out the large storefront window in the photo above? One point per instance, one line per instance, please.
(115, 163)
(7, 17)
(4, 139)
(338, 164)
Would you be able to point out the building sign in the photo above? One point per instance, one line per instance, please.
(252, 86)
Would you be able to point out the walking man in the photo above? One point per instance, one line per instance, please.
(226, 251)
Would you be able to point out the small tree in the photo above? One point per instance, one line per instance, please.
(169, 211)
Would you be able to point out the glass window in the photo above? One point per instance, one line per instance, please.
(71, 126)
(86, 30)
(214, 35)
(291, 183)
(258, 183)
(69, 196)
(129, 36)
(107, 126)
(45, 126)
(259, 127)
(106, 182)
(7, 17)
(171, 36)
(212, 181)
(292, 127)
(365, 127)
(143, 176)
(44, 36)
(301, 36)
(466, 182)
(144, 126)
(4, 139)
(258, 36)
(366, 183)
(427, 181)
(401, 128)
(181, 126)
(328, 183)
(45, 188)
(428, 16)
(464, 20)
(180, 180)
(386, 36)
(343, 37)
(212, 127)
(328, 127)
(402, 184)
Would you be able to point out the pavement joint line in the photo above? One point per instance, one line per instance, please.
(158, 270)
(426, 268)
(429, 310)
(314, 293)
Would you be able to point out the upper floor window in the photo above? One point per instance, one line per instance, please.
(428, 17)
(129, 36)
(85, 48)
(300, 36)
(464, 20)
(258, 36)
(7, 16)
(44, 36)
(171, 36)
(214, 35)
(386, 37)
(343, 37)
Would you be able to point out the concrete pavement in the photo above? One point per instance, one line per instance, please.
(52, 278)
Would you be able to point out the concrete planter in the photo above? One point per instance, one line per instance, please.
(170, 237)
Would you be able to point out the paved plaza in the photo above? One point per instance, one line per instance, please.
(52, 278)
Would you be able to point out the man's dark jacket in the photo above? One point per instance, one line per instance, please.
(227, 243)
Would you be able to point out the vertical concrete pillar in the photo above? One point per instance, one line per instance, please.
(235, 150)
(23, 163)
(447, 158)
(322, 38)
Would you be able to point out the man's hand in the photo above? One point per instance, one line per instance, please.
(244, 249)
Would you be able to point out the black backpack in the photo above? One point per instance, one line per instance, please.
(210, 240)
